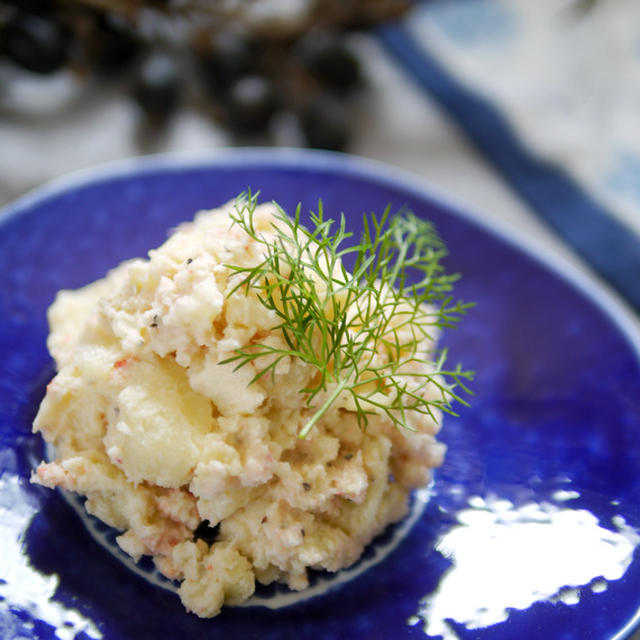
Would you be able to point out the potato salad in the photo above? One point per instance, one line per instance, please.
(155, 417)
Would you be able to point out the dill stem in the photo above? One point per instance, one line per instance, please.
(356, 317)
(325, 406)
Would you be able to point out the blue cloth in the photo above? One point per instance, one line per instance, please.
(451, 47)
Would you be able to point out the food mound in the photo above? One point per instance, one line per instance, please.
(164, 435)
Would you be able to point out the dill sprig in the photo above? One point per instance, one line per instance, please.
(368, 332)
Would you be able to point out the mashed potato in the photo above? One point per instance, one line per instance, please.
(160, 437)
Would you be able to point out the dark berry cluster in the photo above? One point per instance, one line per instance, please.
(240, 78)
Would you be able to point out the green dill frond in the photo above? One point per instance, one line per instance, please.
(369, 332)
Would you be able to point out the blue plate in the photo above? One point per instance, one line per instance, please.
(531, 529)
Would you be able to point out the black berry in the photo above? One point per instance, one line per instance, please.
(326, 123)
(328, 59)
(224, 58)
(112, 46)
(251, 104)
(157, 86)
(35, 43)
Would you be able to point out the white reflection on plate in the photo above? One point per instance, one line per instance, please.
(505, 557)
(23, 588)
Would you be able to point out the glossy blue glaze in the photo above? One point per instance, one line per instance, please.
(556, 405)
